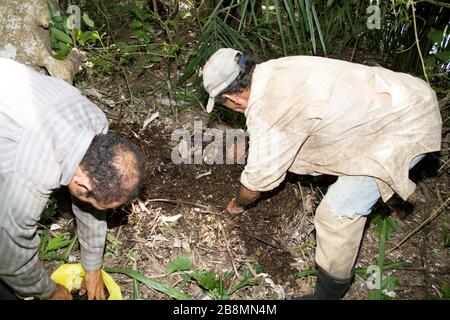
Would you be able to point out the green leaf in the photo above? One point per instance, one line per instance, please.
(446, 291)
(51, 255)
(63, 50)
(309, 272)
(435, 35)
(44, 241)
(135, 24)
(154, 58)
(371, 296)
(208, 279)
(446, 239)
(392, 225)
(141, 36)
(161, 287)
(148, 27)
(389, 283)
(181, 263)
(444, 56)
(97, 36)
(430, 62)
(113, 240)
(137, 11)
(243, 283)
(88, 21)
(330, 3)
(60, 35)
(58, 242)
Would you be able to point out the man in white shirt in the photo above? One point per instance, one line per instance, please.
(314, 115)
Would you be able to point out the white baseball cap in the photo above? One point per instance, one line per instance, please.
(219, 72)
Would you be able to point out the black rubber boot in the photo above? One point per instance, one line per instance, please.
(328, 287)
(6, 292)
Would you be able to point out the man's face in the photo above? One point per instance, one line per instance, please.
(80, 187)
(93, 202)
(237, 101)
(233, 106)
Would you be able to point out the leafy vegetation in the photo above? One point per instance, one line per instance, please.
(218, 286)
(384, 225)
(50, 247)
(411, 37)
(66, 32)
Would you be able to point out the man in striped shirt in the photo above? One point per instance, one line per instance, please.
(52, 136)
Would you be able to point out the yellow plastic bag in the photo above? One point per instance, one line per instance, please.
(70, 275)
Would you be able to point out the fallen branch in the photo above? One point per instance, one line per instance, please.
(180, 202)
(429, 219)
(230, 255)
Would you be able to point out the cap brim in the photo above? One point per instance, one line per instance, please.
(210, 105)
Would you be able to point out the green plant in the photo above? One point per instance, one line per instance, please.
(446, 239)
(383, 226)
(143, 31)
(218, 286)
(445, 293)
(161, 287)
(50, 248)
(49, 212)
(112, 246)
(65, 34)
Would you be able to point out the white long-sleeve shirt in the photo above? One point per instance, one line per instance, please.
(313, 115)
(46, 127)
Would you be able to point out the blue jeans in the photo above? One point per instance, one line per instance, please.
(355, 195)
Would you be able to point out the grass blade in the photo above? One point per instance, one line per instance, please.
(319, 30)
(311, 25)
(280, 26)
(291, 14)
(384, 235)
(158, 286)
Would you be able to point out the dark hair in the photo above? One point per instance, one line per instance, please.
(243, 81)
(113, 164)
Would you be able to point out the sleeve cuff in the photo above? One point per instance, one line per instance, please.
(91, 263)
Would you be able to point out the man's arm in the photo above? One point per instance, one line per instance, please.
(245, 198)
(271, 153)
(21, 205)
(91, 227)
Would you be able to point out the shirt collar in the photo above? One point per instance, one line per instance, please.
(75, 155)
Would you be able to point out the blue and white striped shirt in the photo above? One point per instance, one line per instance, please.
(46, 127)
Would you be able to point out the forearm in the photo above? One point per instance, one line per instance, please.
(92, 229)
(246, 197)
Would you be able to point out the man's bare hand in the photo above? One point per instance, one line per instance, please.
(233, 208)
(60, 293)
(93, 285)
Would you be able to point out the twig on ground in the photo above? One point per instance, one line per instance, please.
(227, 243)
(246, 233)
(181, 202)
(419, 227)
